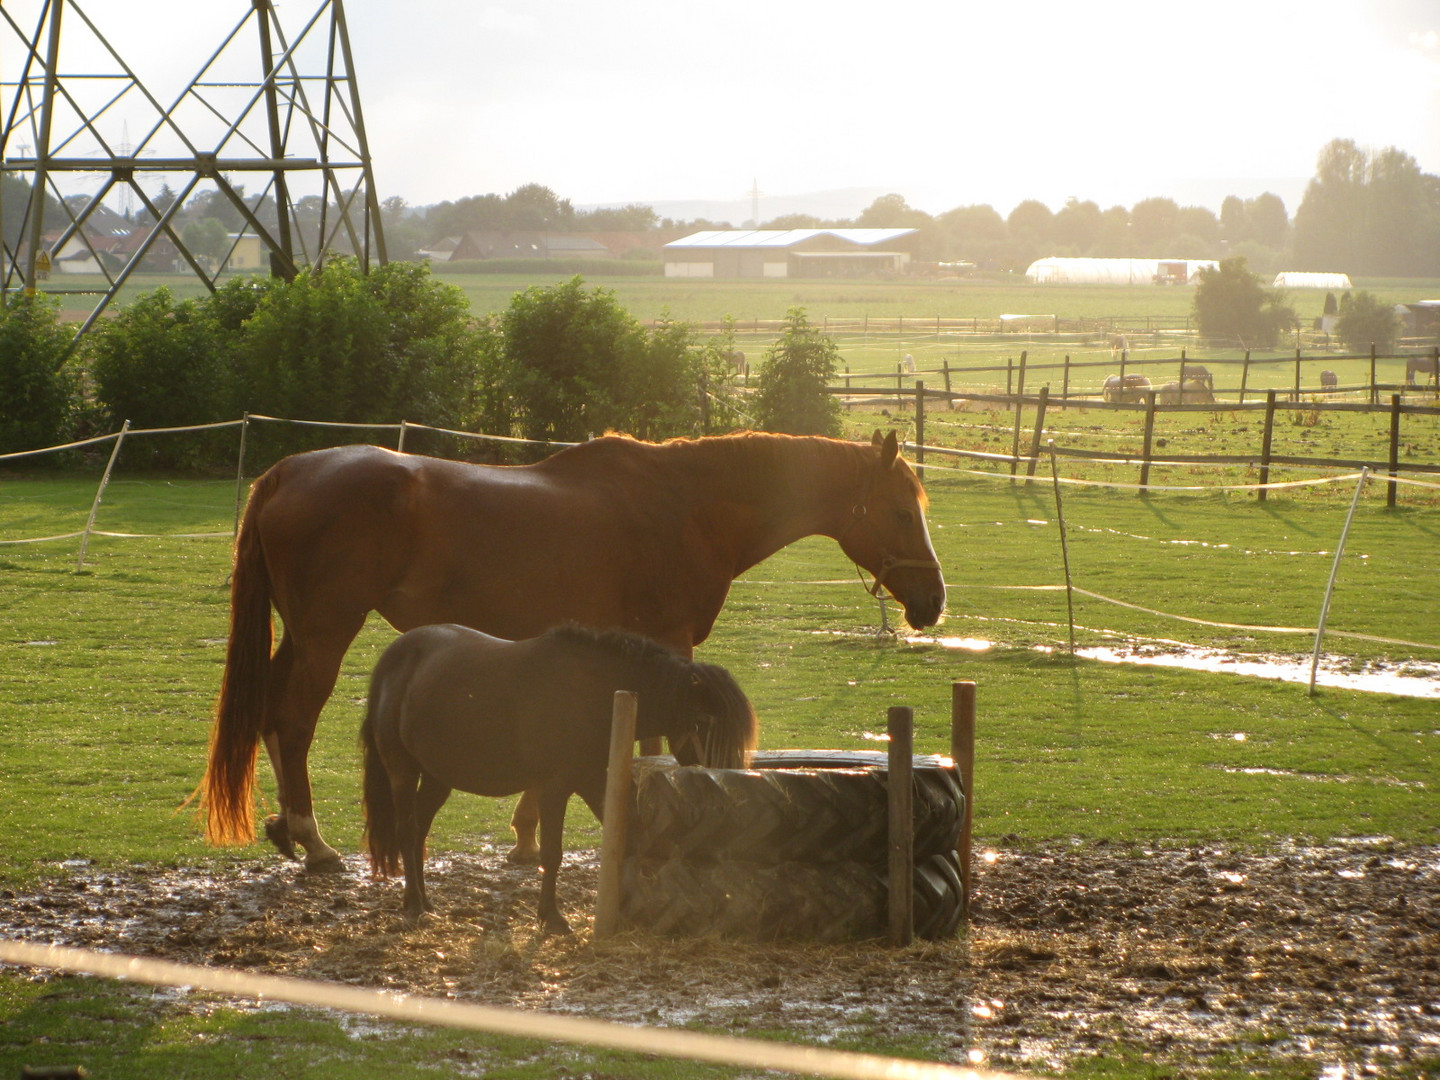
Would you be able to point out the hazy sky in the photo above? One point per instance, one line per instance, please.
(946, 103)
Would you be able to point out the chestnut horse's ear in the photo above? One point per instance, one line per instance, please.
(888, 450)
(877, 439)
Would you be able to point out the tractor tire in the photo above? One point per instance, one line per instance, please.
(811, 809)
(825, 902)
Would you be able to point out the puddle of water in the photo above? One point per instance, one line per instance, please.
(1411, 678)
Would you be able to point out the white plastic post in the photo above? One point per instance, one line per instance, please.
(95, 506)
(1334, 572)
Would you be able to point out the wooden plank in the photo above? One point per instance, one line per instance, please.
(900, 723)
(616, 818)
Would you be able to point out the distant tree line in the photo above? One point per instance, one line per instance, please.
(1363, 213)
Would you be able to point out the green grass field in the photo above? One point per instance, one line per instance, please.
(109, 674)
(111, 671)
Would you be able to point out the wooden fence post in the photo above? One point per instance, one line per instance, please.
(616, 822)
(1039, 429)
(1374, 393)
(945, 368)
(1182, 374)
(900, 724)
(1265, 441)
(962, 752)
(1296, 397)
(920, 428)
(1065, 385)
(1149, 440)
(1394, 450)
(1244, 376)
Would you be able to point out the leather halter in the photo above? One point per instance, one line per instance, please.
(860, 512)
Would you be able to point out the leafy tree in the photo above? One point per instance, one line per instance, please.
(38, 394)
(560, 348)
(1153, 223)
(1367, 321)
(891, 212)
(1077, 226)
(567, 363)
(159, 363)
(791, 390)
(631, 218)
(977, 233)
(1266, 220)
(207, 240)
(1232, 303)
(340, 344)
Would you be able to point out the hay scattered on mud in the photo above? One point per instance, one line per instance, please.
(1327, 954)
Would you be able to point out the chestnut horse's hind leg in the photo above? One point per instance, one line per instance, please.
(302, 681)
(525, 822)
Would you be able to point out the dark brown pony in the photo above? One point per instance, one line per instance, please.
(450, 708)
(613, 533)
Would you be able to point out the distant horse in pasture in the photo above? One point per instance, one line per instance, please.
(1195, 392)
(1125, 389)
(1425, 366)
(1197, 373)
(450, 707)
(1328, 380)
(613, 533)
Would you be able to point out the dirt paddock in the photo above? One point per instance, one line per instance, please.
(1187, 956)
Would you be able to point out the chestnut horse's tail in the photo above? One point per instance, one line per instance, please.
(382, 833)
(229, 785)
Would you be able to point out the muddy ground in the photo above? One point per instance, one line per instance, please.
(1187, 956)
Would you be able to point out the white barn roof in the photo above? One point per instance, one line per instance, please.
(1304, 279)
(1062, 271)
(782, 238)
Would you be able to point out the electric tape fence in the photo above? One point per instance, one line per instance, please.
(920, 454)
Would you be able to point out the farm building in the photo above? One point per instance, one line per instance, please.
(787, 253)
(1062, 271)
(1304, 279)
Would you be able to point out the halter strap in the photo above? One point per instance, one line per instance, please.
(860, 512)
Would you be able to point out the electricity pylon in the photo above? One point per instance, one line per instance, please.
(272, 109)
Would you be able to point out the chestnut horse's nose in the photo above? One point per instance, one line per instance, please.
(926, 612)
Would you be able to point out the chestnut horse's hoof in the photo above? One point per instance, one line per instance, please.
(277, 831)
(326, 864)
(523, 856)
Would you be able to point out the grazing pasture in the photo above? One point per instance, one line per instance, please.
(1083, 768)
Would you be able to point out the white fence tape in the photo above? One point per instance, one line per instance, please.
(444, 1012)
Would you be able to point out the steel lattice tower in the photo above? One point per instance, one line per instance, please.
(264, 108)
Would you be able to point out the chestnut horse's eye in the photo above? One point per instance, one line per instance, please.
(906, 517)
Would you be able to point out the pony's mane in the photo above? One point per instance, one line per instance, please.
(623, 643)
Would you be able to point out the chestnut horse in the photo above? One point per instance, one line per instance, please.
(613, 533)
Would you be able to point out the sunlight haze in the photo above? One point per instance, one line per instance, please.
(946, 105)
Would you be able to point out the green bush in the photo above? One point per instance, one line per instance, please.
(338, 344)
(1232, 304)
(791, 395)
(38, 391)
(1366, 321)
(159, 363)
(568, 363)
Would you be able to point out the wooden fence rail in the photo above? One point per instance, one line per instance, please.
(922, 399)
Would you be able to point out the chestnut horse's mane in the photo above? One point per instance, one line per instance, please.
(762, 453)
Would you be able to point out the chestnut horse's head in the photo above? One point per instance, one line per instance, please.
(886, 535)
